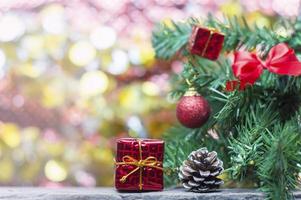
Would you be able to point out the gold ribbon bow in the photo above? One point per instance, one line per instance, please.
(140, 164)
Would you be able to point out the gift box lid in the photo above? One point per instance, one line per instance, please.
(141, 139)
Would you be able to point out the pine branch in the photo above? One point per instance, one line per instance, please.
(295, 41)
(238, 34)
(201, 74)
(180, 142)
(279, 168)
(245, 149)
(168, 40)
(177, 150)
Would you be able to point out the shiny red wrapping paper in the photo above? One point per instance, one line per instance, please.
(150, 178)
(205, 42)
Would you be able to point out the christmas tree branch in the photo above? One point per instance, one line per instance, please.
(255, 131)
(168, 40)
(279, 168)
(176, 151)
(245, 147)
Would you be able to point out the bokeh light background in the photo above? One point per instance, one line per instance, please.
(75, 75)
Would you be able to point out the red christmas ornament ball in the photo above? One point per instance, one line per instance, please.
(193, 111)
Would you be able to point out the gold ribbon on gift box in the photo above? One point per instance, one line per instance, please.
(150, 161)
(212, 31)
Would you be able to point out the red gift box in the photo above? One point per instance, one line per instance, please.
(205, 42)
(139, 164)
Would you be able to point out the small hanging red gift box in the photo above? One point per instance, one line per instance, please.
(139, 164)
(204, 42)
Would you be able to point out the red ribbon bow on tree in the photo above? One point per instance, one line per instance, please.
(248, 67)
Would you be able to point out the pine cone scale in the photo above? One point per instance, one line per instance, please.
(204, 173)
(198, 179)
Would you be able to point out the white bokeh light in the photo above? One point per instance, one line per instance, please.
(289, 8)
(103, 37)
(2, 59)
(135, 56)
(119, 63)
(93, 83)
(54, 171)
(82, 53)
(11, 27)
(53, 19)
(2, 64)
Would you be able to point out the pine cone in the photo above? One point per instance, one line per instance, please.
(199, 172)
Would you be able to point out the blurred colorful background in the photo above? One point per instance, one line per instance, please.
(77, 74)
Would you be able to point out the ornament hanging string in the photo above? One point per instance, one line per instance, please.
(188, 82)
(150, 161)
(248, 67)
